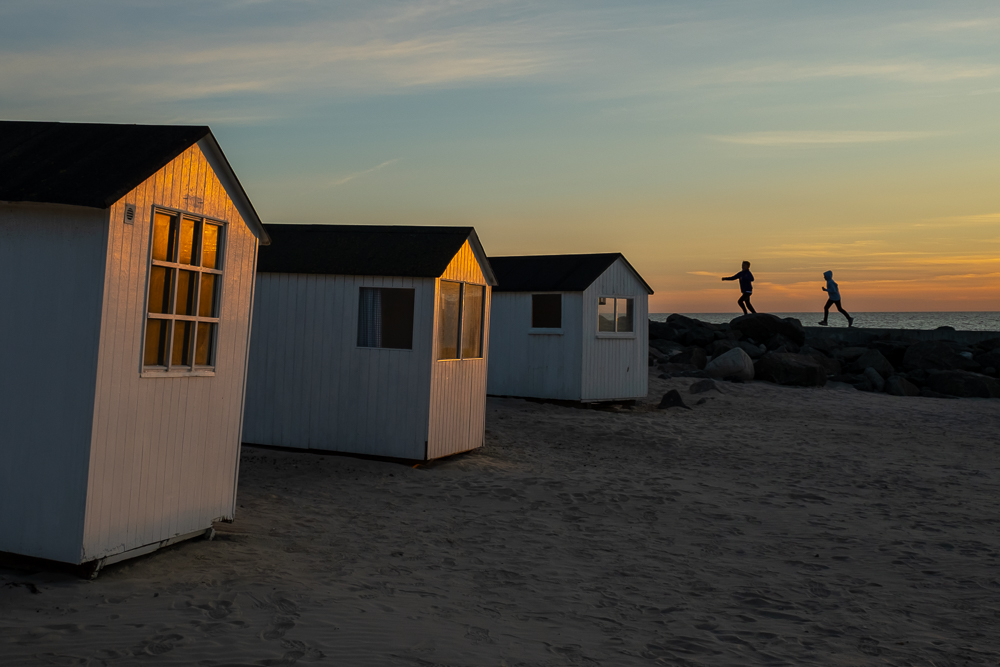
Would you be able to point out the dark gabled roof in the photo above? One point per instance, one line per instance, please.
(554, 273)
(367, 250)
(96, 164)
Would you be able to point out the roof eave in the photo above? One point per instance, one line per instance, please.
(484, 261)
(227, 176)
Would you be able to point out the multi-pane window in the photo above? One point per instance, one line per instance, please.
(185, 278)
(614, 315)
(385, 318)
(546, 311)
(460, 320)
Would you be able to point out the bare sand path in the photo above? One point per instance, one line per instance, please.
(768, 525)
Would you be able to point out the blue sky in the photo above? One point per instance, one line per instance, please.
(856, 136)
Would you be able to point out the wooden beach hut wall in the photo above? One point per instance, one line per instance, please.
(127, 256)
(569, 327)
(370, 340)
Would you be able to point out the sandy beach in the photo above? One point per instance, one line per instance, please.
(767, 525)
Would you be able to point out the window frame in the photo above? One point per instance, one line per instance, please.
(616, 333)
(192, 369)
(413, 319)
(461, 321)
(551, 331)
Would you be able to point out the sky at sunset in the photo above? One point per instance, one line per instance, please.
(862, 137)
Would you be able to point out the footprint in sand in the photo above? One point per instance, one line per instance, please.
(279, 626)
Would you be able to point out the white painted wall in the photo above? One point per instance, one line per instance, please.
(165, 450)
(52, 272)
(615, 368)
(534, 364)
(310, 386)
(458, 386)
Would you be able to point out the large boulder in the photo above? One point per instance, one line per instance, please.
(849, 353)
(897, 385)
(786, 368)
(668, 347)
(963, 384)
(989, 360)
(893, 350)
(937, 355)
(874, 378)
(661, 331)
(753, 351)
(873, 359)
(734, 364)
(832, 366)
(720, 347)
(781, 343)
(763, 326)
(694, 356)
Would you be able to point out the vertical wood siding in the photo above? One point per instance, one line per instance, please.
(165, 450)
(534, 365)
(458, 387)
(52, 273)
(310, 386)
(615, 368)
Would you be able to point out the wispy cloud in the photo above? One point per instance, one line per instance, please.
(957, 220)
(814, 138)
(910, 71)
(351, 177)
(703, 273)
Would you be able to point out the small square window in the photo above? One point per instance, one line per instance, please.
(615, 315)
(546, 311)
(385, 318)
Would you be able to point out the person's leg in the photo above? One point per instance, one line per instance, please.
(826, 312)
(850, 320)
(746, 297)
(740, 303)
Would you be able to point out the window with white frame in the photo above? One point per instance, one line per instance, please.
(614, 315)
(185, 280)
(385, 318)
(546, 311)
(460, 320)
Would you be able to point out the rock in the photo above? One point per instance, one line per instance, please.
(831, 365)
(701, 386)
(963, 384)
(936, 355)
(927, 392)
(661, 331)
(989, 345)
(694, 356)
(846, 378)
(824, 344)
(897, 385)
(989, 359)
(720, 347)
(893, 350)
(672, 399)
(850, 353)
(668, 347)
(762, 326)
(875, 378)
(694, 332)
(656, 354)
(753, 351)
(782, 342)
(733, 364)
(839, 385)
(796, 370)
(672, 369)
(873, 359)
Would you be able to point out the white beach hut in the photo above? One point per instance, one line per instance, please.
(127, 256)
(370, 340)
(569, 327)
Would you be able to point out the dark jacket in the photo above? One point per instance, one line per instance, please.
(746, 280)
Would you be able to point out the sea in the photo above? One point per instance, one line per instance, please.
(981, 321)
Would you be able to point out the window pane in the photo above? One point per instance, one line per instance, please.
(624, 310)
(182, 344)
(448, 311)
(397, 318)
(546, 311)
(605, 314)
(209, 258)
(370, 317)
(190, 235)
(164, 234)
(187, 286)
(203, 348)
(472, 322)
(207, 300)
(155, 353)
(161, 279)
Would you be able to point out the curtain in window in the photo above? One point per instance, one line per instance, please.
(370, 317)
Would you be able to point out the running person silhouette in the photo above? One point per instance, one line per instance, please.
(746, 287)
(833, 298)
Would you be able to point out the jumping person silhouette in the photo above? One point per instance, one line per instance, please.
(833, 298)
(746, 287)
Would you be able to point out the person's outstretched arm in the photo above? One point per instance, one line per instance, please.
(732, 277)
